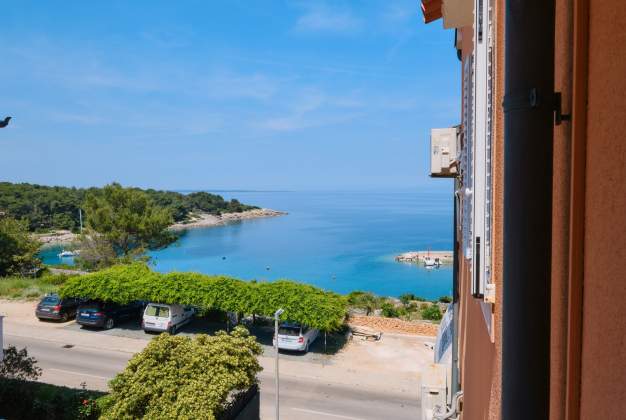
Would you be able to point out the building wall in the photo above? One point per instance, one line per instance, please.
(480, 354)
(603, 369)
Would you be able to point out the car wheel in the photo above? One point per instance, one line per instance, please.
(110, 323)
(172, 330)
(65, 317)
(306, 348)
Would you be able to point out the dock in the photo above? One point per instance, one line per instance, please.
(445, 257)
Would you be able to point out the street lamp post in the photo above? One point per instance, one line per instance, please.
(1, 339)
(276, 316)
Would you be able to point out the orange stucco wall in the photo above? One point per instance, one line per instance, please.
(603, 369)
(560, 213)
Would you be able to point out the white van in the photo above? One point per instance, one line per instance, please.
(164, 317)
(292, 336)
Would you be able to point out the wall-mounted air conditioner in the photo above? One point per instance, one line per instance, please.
(443, 152)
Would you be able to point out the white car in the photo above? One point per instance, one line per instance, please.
(164, 317)
(293, 336)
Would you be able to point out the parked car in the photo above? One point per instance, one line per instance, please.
(165, 317)
(106, 314)
(292, 336)
(53, 307)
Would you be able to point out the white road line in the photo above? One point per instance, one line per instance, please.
(78, 373)
(322, 413)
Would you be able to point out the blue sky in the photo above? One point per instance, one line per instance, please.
(223, 94)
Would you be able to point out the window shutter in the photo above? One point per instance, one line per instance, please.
(483, 127)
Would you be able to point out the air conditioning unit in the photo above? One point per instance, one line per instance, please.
(434, 390)
(443, 143)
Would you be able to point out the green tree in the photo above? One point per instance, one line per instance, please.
(96, 252)
(180, 377)
(17, 249)
(128, 219)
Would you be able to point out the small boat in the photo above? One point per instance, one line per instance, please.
(66, 253)
(431, 262)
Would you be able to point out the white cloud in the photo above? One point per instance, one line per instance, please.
(321, 19)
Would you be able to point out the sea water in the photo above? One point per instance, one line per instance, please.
(340, 241)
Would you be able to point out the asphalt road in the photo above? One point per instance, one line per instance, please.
(300, 398)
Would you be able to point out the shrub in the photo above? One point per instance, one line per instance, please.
(180, 377)
(364, 300)
(408, 297)
(388, 310)
(445, 299)
(33, 400)
(431, 312)
(17, 365)
(54, 279)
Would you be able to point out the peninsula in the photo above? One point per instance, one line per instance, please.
(53, 214)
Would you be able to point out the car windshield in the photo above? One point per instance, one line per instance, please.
(50, 300)
(289, 330)
(158, 311)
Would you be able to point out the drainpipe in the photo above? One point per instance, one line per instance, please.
(455, 386)
(528, 136)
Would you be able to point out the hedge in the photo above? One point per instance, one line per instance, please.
(34, 400)
(125, 283)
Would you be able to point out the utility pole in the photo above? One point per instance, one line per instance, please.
(276, 316)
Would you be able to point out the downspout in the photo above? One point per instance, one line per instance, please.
(528, 137)
(456, 385)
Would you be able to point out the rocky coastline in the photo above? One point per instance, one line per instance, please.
(201, 220)
(209, 220)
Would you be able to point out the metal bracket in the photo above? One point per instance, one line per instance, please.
(524, 100)
(559, 117)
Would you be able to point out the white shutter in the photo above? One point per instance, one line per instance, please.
(483, 109)
(467, 157)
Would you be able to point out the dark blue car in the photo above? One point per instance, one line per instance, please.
(53, 307)
(107, 314)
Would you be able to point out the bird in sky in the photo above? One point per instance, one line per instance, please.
(5, 122)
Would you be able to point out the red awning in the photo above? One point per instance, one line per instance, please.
(431, 10)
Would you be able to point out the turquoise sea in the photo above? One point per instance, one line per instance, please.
(342, 241)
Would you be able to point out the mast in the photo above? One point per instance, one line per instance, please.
(80, 216)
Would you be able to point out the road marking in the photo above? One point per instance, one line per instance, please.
(78, 373)
(322, 413)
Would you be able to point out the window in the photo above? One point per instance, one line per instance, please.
(482, 148)
(289, 330)
(158, 311)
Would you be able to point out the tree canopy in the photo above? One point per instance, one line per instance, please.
(17, 249)
(180, 377)
(128, 219)
(47, 208)
(125, 283)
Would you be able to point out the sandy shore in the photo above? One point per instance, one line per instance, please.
(66, 237)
